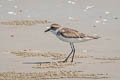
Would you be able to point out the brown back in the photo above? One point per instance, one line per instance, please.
(71, 33)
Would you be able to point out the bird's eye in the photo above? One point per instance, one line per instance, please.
(53, 28)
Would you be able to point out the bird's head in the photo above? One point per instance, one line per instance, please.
(53, 27)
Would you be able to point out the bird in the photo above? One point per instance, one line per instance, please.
(69, 35)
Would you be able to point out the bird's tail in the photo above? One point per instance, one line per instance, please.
(93, 36)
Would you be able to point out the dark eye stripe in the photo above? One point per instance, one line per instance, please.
(53, 28)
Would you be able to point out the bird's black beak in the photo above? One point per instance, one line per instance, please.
(48, 30)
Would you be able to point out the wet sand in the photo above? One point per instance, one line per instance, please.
(27, 53)
(25, 64)
(33, 65)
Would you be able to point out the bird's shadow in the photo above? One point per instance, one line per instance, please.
(45, 62)
(36, 62)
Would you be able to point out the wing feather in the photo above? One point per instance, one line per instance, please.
(71, 33)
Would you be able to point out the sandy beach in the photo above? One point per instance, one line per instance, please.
(28, 53)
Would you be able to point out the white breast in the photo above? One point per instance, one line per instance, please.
(54, 31)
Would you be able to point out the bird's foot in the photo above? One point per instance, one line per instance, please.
(63, 61)
(71, 61)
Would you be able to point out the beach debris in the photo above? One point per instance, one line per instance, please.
(105, 20)
(20, 10)
(12, 13)
(71, 2)
(100, 17)
(16, 6)
(97, 21)
(107, 12)
(94, 26)
(108, 39)
(70, 17)
(11, 35)
(115, 17)
(88, 7)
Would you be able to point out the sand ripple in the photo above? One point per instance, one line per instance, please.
(108, 58)
(49, 75)
(55, 65)
(54, 56)
(25, 22)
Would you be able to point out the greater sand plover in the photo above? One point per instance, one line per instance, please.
(69, 35)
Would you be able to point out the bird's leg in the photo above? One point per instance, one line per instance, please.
(71, 44)
(73, 52)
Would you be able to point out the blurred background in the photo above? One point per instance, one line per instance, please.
(23, 22)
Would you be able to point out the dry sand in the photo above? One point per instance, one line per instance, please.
(27, 53)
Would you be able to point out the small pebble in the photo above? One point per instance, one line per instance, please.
(24, 50)
(69, 1)
(94, 26)
(70, 17)
(100, 17)
(105, 20)
(11, 35)
(20, 11)
(116, 18)
(73, 2)
(107, 12)
(97, 21)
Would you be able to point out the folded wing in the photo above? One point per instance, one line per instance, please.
(71, 33)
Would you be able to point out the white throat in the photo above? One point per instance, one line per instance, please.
(54, 31)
